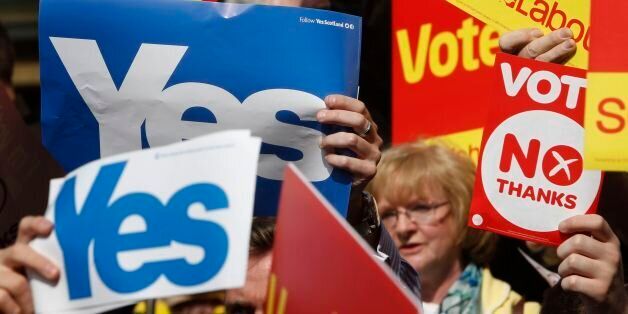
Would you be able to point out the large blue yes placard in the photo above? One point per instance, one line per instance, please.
(122, 75)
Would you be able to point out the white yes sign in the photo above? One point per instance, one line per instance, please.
(142, 99)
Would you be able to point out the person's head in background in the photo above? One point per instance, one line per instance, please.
(251, 297)
(248, 299)
(7, 61)
(423, 191)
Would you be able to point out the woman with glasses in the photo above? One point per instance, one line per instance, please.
(423, 192)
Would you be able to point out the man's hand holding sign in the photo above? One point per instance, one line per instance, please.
(365, 142)
(530, 43)
(592, 264)
(546, 16)
(15, 292)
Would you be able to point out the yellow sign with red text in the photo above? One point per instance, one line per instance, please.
(606, 138)
(547, 15)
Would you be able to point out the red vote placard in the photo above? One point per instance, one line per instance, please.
(531, 173)
(442, 61)
(321, 265)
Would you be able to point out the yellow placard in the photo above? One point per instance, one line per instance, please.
(468, 142)
(547, 15)
(606, 122)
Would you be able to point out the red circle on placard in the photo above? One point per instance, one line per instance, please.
(562, 165)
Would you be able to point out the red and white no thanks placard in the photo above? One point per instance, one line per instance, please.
(530, 174)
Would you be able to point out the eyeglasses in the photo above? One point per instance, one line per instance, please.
(420, 213)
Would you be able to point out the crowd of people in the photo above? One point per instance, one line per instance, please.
(411, 204)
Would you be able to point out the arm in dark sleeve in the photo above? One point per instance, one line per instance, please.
(399, 266)
(363, 217)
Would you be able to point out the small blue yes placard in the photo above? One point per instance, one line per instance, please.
(152, 223)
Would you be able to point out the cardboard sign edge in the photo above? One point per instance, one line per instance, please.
(365, 247)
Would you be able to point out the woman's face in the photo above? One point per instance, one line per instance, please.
(423, 228)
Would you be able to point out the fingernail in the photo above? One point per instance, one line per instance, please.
(566, 33)
(44, 224)
(51, 271)
(570, 43)
(321, 114)
(536, 33)
(330, 100)
(320, 142)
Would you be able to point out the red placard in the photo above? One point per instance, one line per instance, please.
(442, 59)
(609, 38)
(606, 115)
(321, 265)
(531, 173)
